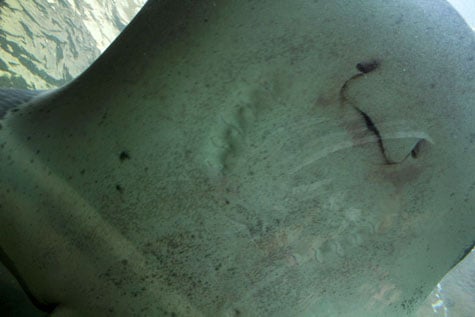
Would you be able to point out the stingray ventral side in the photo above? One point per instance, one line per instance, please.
(257, 158)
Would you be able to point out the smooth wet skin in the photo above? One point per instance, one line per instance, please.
(206, 166)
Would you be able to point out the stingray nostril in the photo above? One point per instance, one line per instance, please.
(416, 151)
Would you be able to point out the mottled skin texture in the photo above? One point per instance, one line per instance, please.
(206, 165)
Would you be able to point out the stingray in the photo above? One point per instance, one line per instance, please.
(248, 158)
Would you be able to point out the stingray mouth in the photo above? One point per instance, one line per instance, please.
(396, 140)
(293, 158)
(395, 145)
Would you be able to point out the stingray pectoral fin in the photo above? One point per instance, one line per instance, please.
(209, 164)
(40, 305)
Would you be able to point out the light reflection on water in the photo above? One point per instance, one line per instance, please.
(466, 9)
(454, 296)
(438, 305)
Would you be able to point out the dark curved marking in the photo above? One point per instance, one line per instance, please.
(365, 68)
(11, 98)
(45, 307)
(372, 127)
(344, 88)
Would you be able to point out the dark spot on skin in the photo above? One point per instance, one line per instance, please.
(28, 138)
(82, 172)
(409, 304)
(367, 67)
(226, 202)
(37, 151)
(103, 118)
(205, 20)
(406, 304)
(124, 155)
(15, 110)
(119, 188)
(237, 312)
